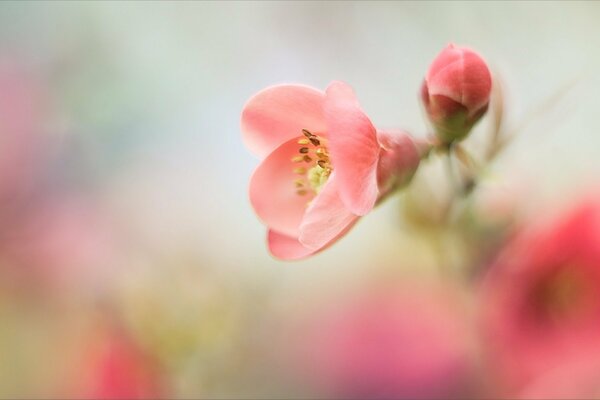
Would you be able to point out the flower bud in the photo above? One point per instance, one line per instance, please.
(398, 161)
(456, 92)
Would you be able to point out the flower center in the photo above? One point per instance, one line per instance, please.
(314, 165)
(561, 295)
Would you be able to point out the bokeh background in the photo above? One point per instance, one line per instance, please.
(132, 264)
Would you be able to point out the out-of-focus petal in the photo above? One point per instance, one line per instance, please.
(326, 218)
(278, 114)
(273, 193)
(575, 380)
(540, 302)
(353, 147)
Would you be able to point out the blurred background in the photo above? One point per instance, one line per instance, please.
(131, 262)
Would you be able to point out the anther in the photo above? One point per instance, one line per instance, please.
(300, 170)
(303, 150)
(298, 159)
(315, 141)
(306, 158)
(321, 153)
(307, 133)
(301, 192)
(322, 163)
(304, 141)
(299, 182)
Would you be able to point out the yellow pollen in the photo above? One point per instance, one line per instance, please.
(321, 153)
(317, 171)
(317, 176)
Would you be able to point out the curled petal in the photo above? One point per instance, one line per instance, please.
(286, 247)
(278, 114)
(326, 219)
(273, 193)
(354, 148)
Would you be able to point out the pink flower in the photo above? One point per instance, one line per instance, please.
(541, 298)
(23, 146)
(59, 240)
(113, 366)
(577, 380)
(409, 342)
(323, 164)
(456, 91)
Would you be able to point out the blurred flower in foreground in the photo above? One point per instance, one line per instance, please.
(541, 299)
(59, 240)
(23, 147)
(113, 366)
(324, 164)
(576, 380)
(456, 92)
(406, 343)
(46, 235)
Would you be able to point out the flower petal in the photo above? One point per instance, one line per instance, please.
(354, 149)
(398, 160)
(462, 75)
(278, 114)
(273, 193)
(326, 219)
(286, 247)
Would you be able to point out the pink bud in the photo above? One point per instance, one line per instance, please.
(399, 158)
(456, 92)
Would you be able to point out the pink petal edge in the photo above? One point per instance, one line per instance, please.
(325, 218)
(273, 194)
(286, 247)
(352, 141)
(279, 113)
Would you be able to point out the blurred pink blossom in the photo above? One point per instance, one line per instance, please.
(58, 240)
(23, 145)
(46, 234)
(576, 380)
(456, 91)
(412, 342)
(113, 366)
(324, 164)
(541, 298)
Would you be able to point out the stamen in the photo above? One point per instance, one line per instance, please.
(321, 153)
(316, 172)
